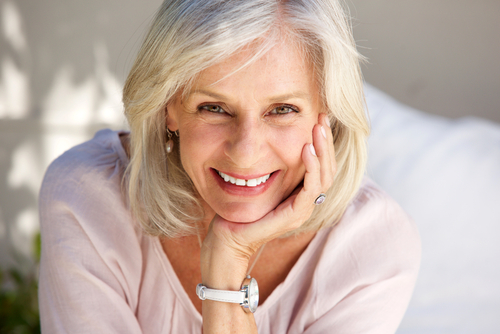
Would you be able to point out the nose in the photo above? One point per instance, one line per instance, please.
(245, 143)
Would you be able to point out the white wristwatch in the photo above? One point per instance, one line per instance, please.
(247, 297)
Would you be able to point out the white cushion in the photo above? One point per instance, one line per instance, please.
(446, 174)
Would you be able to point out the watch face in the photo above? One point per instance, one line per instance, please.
(253, 295)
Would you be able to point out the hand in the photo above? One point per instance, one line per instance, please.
(240, 241)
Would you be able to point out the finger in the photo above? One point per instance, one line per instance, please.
(324, 119)
(312, 179)
(320, 140)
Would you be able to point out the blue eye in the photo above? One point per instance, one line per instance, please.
(283, 110)
(213, 108)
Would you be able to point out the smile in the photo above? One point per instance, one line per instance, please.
(241, 182)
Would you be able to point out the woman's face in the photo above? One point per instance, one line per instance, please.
(248, 127)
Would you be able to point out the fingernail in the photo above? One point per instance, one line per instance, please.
(327, 120)
(323, 131)
(313, 151)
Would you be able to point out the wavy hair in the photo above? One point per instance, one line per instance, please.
(188, 36)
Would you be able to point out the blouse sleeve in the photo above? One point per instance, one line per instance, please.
(377, 257)
(91, 263)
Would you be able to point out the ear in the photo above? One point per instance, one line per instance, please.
(171, 117)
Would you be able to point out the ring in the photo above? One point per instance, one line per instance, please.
(320, 199)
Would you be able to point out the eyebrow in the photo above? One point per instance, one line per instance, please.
(272, 99)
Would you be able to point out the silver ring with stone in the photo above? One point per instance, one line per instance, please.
(320, 199)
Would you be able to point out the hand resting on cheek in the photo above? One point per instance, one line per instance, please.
(241, 240)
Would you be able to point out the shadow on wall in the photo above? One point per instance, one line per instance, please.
(34, 130)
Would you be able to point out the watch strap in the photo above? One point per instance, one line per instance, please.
(236, 297)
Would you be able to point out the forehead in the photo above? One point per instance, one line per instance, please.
(281, 70)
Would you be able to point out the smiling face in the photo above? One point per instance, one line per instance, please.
(247, 128)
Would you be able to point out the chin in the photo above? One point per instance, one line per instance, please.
(243, 216)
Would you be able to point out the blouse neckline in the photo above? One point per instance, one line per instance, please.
(275, 295)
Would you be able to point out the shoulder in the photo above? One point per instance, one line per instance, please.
(102, 156)
(83, 190)
(374, 217)
(358, 275)
(92, 250)
(375, 242)
(87, 168)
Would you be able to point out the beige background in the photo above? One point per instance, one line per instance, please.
(62, 64)
(441, 56)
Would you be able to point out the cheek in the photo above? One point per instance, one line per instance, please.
(289, 144)
(198, 144)
(290, 141)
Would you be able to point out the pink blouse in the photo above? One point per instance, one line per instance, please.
(100, 273)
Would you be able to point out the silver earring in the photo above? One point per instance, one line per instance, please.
(170, 142)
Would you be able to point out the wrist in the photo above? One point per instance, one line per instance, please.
(247, 296)
(222, 271)
(222, 268)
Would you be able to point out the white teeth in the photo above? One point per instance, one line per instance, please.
(241, 182)
(252, 183)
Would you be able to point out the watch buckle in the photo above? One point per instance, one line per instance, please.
(200, 291)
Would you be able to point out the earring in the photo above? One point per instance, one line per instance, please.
(170, 142)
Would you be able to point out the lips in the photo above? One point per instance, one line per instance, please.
(242, 182)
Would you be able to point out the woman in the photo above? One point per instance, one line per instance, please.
(245, 157)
